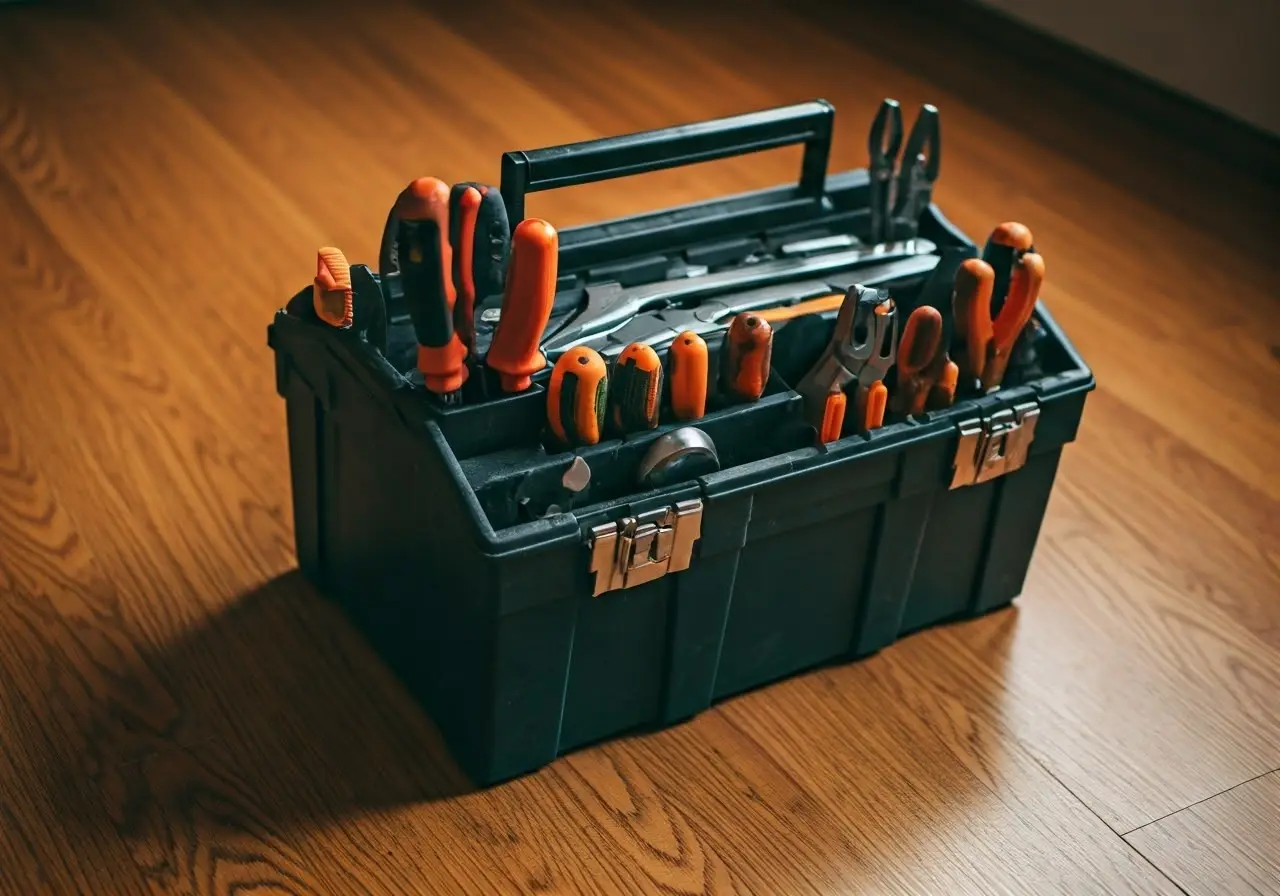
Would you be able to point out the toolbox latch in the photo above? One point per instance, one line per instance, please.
(990, 447)
(643, 548)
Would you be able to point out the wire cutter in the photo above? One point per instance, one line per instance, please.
(861, 351)
(896, 205)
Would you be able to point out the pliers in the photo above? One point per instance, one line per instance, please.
(985, 344)
(896, 206)
(926, 377)
(862, 349)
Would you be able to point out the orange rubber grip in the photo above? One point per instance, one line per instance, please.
(921, 342)
(331, 290)
(745, 358)
(635, 389)
(971, 302)
(577, 396)
(1012, 235)
(526, 304)
(687, 362)
(426, 259)
(943, 393)
(869, 404)
(1024, 290)
(833, 417)
(468, 211)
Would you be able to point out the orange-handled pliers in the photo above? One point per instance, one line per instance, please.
(986, 344)
(926, 378)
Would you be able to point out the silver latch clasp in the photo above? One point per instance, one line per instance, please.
(993, 446)
(640, 549)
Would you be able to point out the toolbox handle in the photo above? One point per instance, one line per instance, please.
(589, 161)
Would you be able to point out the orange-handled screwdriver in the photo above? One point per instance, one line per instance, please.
(480, 235)
(331, 290)
(635, 389)
(687, 363)
(425, 259)
(745, 357)
(526, 304)
(577, 397)
(925, 374)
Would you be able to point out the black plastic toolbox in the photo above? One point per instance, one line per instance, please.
(410, 514)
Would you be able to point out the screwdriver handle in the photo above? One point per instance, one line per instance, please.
(971, 302)
(687, 362)
(526, 304)
(331, 292)
(481, 238)
(425, 259)
(577, 396)
(745, 358)
(635, 389)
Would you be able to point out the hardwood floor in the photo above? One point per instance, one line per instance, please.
(181, 713)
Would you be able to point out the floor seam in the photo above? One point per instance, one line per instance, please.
(1198, 802)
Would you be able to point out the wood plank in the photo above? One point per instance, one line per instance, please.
(1227, 844)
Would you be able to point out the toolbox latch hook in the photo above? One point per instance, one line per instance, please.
(990, 447)
(644, 548)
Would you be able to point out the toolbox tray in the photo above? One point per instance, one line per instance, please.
(409, 514)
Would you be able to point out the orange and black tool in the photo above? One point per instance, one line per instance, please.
(1006, 244)
(577, 396)
(986, 345)
(745, 357)
(831, 426)
(926, 377)
(635, 389)
(425, 259)
(481, 238)
(331, 293)
(687, 366)
(526, 304)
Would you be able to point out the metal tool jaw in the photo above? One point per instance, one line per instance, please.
(862, 349)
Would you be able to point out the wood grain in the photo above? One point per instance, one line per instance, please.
(181, 713)
(1226, 844)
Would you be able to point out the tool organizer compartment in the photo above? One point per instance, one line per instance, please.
(429, 524)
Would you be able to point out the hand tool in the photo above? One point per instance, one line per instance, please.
(985, 344)
(608, 306)
(526, 304)
(897, 204)
(1004, 247)
(424, 259)
(659, 328)
(577, 396)
(369, 308)
(924, 372)
(572, 484)
(687, 374)
(481, 238)
(331, 289)
(860, 353)
(744, 358)
(635, 389)
(682, 454)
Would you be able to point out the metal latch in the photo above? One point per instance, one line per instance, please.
(993, 446)
(640, 549)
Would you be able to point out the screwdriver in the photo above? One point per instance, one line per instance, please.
(635, 389)
(331, 291)
(481, 238)
(687, 364)
(425, 259)
(925, 374)
(526, 304)
(577, 395)
(744, 360)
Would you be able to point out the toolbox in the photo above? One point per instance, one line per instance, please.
(527, 634)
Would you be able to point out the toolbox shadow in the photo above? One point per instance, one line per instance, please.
(271, 713)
